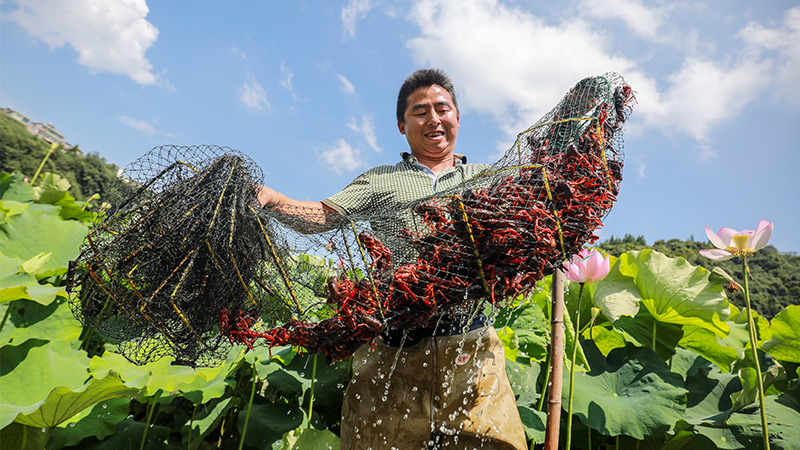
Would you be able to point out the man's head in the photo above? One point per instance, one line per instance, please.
(429, 116)
(423, 78)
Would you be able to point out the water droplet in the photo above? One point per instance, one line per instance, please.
(105, 406)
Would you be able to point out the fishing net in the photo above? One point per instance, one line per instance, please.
(186, 263)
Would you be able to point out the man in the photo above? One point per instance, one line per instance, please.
(442, 386)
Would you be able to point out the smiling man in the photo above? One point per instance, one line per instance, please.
(442, 385)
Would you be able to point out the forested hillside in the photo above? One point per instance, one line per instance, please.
(22, 151)
(774, 276)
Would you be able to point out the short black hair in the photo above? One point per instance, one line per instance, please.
(423, 78)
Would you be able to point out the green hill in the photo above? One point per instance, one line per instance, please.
(22, 151)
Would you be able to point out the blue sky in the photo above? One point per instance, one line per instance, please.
(308, 89)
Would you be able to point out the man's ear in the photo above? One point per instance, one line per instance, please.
(401, 126)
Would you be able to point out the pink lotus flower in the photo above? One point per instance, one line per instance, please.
(587, 266)
(730, 242)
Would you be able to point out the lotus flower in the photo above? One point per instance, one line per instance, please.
(730, 242)
(587, 266)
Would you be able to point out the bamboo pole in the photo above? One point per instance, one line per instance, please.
(556, 363)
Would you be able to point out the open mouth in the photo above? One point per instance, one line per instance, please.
(434, 134)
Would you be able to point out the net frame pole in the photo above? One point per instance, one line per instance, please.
(556, 363)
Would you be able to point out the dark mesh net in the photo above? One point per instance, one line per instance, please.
(185, 263)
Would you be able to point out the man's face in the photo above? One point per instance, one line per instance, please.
(430, 122)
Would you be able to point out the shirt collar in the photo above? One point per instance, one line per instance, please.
(459, 159)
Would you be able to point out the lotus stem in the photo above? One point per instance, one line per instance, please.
(575, 345)
(249, 407)
(313, 379)
(44, 160)
(150, 408)
(5, 316)
(753, 345)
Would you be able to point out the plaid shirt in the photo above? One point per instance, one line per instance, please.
(389, 188)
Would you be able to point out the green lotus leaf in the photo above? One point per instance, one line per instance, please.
(606, 339)
(294, 380)
(534, 423)
(14, 187)
(30, 320)
(676, 292)
(785, 342)
(783, 421)
(17, 284)
(523, 379)
(30, 371)
(100, 421)
(162, 375)
(269, 422)
(530, 328)
(309, 438)
(705, 343)
(63, 403)
(128, 436)
(22, 437)
(721, 437)
(709, 398)
(617, 294)
(643, 328)
(38, 230)
(632, 392)
(207, 417)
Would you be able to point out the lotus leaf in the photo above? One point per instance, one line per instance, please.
(17, 284)
(99, 421)
(632, 392)
(309, 438)
(30, 371)
(269, 422)
(783, 421)
(162, 375)
(617, 294)
(785, 342)
(676, 292)
(40, 229)
(705, 343)
(30, 320)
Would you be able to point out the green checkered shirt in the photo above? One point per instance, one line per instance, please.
(389, 188)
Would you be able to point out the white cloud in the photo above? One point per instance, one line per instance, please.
(366, 130)
(640, 170)
(704, 93)
(355, 10)
(253, 95)
(347, 86)
(506, 62)
(644, 21)
(514, 66)
(341, 158)
(287, 83)
(108, 36)
(784, 41)
(144, 127)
